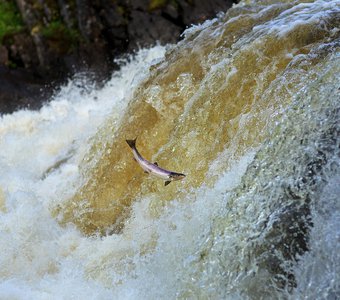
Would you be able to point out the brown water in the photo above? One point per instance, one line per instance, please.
(247, 106)
(220, 88)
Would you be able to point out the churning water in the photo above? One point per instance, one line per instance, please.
(247, 105)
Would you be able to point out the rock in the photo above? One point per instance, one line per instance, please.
(145, 30)
(197, 11)
(61, 38)
(19, 89)
(21, 49)
(288, 235)
(3, 56)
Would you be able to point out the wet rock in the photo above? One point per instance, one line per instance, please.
(21, 90)
(286, 233)
(20, 49)
(145, 29)
(61, 38)
(3, 56)
(197, 11)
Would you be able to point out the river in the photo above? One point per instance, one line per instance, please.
(247, 105)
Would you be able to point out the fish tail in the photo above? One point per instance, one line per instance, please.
(132, 143)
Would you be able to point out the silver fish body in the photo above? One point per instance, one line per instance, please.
(153, 168)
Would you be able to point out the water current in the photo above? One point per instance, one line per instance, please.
(247, 105)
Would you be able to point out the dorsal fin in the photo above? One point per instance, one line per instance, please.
(155, 163)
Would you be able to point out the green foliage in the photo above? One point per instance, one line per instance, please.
(12, 64)
(10, 19)
(63, 36)
(54, 29)
(155, 4)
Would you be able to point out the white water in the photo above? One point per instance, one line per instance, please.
(37, 256)
(155, 256)
(41, 260)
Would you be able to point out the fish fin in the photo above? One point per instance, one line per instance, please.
(167, 182)
(155, 163)
(135, 159)
(132, 143)
(146, 172)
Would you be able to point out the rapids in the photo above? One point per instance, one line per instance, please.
(247, 106)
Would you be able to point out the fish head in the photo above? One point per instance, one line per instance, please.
(177, 176)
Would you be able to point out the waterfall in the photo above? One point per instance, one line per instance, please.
(247, 106)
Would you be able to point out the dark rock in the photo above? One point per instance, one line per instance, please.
(88, 22)
(139, 5)
(145, 29)
(19, 89)
(197, 11)
(66, 13)
(3, 56)
(20, 50)
(172, 12)
(62, 37)
(287, 234)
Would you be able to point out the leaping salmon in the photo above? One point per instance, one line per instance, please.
(153, 168)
